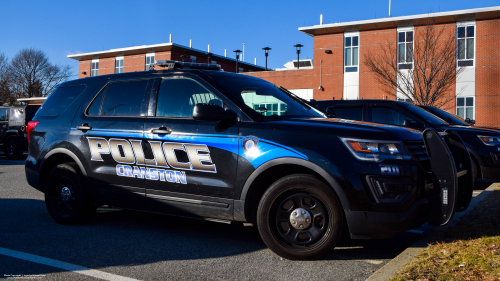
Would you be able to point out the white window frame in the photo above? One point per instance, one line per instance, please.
(463, 61)
(351, 67)
(94, 71)
(192, 59)
(150, 58)
(119, 64)
(465, 106)
(405, 64)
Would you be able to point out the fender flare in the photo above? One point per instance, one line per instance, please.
(68, 153)
(300, 162)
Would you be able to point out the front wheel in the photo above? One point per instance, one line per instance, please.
(66, 198)
(300, 218)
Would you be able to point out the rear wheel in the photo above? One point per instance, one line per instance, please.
(300, 218)
(66, 198)
(12, 149)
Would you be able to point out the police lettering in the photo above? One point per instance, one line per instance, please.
(131, 152)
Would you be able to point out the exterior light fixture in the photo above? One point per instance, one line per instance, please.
(237, 52)
(298, 46)
(266, 50)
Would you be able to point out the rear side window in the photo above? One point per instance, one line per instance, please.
(178, 96)
(351, 113)
(125, 98)
(4, 114)
(60, 99)
(386, 115)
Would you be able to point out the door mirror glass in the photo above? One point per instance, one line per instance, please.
(212, 112)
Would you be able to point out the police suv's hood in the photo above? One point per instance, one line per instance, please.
(472, 129)
(347, 128)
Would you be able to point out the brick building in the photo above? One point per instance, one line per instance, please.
(138, 58)
(339, 71)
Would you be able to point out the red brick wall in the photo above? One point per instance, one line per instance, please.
(488, 73)
(134, 63)
(84, 66)
(290, 79)
(106, 66)
(332, 67)
(370, 44)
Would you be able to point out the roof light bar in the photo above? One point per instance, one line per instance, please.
(173, 64)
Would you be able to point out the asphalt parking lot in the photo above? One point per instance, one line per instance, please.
(118, 244)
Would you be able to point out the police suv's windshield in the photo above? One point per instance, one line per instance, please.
(267, 100)
(425, 115)
(448, 117)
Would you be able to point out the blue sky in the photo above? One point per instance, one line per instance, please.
(60, 28)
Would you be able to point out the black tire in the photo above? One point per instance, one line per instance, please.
(12, 149)
(318, 236)
(73, 207)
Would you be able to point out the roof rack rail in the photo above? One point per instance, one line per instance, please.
(173, 64)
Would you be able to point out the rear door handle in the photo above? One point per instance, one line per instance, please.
(161, 131)
(84, 127)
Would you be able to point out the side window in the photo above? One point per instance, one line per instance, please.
(352, 113)
(124, 98)
(4, 116)
(60, 99)
(386, 115)
(178, 96)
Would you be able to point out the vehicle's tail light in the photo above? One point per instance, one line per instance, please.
(31, 125)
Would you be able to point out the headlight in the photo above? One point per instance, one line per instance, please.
(490, 140)
(375, 150)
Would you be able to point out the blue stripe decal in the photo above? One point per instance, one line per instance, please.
(267, 150)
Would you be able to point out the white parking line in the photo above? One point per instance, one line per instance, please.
(63, 265)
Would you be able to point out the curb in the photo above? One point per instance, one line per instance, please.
(391, 268)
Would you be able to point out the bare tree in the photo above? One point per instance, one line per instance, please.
(426, 73)
(5, 92)
(33, 75)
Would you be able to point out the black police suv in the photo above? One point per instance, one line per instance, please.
(230, 147)
(13, 122)
(483, 143)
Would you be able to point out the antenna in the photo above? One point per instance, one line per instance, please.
(390, 8)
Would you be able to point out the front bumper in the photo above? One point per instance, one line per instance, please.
(376, 225)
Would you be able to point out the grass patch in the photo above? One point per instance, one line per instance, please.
(470, 250)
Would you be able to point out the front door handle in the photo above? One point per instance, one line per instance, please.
(161, 131)
(84, 127)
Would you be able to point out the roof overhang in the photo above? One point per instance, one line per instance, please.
(164, 47)
(394, 22)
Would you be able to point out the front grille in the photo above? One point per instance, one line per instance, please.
(416, 150)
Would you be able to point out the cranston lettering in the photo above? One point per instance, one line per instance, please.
(131, 152)
(151, 174)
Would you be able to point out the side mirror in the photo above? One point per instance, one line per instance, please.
(412, 124)
(448, 120)
(212, 112)
(330, 112)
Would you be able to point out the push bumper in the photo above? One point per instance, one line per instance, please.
(376, 225)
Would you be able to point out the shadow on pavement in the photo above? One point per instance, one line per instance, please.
(123, 237)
